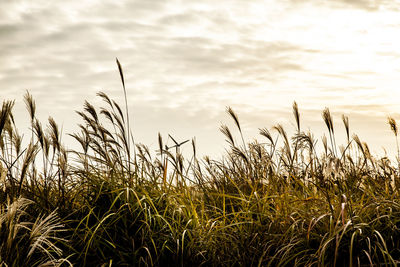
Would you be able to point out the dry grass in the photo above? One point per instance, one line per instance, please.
(262, 204)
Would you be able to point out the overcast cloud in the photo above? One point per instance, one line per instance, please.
(185, 61)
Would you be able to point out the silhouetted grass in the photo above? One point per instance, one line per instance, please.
(277, 202)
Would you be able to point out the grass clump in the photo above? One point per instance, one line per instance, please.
(29, 241)
(278, 202)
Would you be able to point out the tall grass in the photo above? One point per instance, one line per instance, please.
(273, 202)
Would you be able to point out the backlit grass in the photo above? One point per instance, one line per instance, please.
(278, 201)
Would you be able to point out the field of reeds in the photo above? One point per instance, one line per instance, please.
(281, 201)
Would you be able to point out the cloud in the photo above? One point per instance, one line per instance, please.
(371, 5)
(188, 61)
(367, 5)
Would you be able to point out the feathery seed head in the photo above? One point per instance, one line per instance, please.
(393, 125)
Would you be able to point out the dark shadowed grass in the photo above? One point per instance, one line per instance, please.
(273, 202)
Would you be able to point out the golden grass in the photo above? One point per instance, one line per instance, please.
(272, 203)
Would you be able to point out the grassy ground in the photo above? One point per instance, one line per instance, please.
(112, 202)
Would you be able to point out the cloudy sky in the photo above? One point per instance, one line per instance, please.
(185, 61)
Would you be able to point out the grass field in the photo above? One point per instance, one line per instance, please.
(276, 202)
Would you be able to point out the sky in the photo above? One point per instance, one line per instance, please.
(185, 61)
